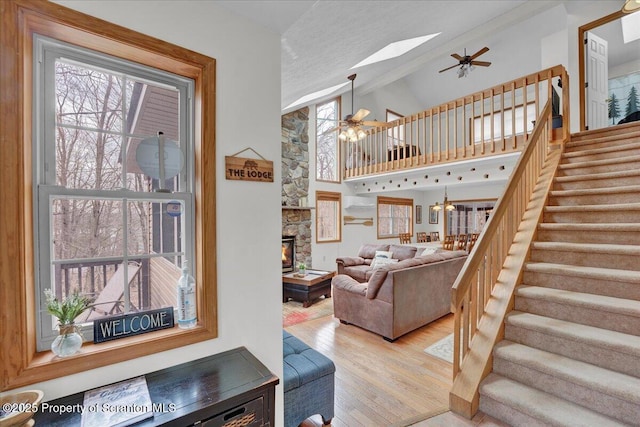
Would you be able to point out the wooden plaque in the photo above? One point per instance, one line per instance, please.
(244, 169)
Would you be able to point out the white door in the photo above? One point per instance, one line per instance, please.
(597, 82)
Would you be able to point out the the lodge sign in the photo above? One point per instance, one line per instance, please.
(244, 169)
(126, 325)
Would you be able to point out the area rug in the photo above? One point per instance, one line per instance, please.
(293, 312)
(442, 349)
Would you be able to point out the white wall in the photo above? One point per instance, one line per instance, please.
(248, 115)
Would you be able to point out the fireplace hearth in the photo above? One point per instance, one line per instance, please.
(288, 253)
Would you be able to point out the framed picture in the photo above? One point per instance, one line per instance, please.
(433, 215)
(418, 214)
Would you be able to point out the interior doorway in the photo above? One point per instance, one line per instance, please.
(609, 71)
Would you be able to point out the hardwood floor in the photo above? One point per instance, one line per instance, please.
(379, 383)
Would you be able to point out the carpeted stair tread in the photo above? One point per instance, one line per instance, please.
(602, 150)
(569, 331)
(592, 227)
(596, 176)
(604, 248)
(605, 274)
(596, 208)
(611, 191)
(602, 162)
(621, 386)
(548, 409)
(605, 304)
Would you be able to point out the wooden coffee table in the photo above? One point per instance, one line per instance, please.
(305, 289)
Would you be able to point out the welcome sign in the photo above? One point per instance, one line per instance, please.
(126, 325)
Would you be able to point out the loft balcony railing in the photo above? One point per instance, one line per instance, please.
(495, 121)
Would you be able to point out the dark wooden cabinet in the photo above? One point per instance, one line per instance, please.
(227, 389)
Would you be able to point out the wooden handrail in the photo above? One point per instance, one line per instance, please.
(487, 123)
(483, 292)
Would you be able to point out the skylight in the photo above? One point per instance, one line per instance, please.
(395, 49)
(631, 27)
(315, 95)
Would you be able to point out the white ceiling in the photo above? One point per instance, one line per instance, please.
(322, 39)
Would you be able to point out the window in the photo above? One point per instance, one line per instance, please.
(395, 134)
(94, 188)
(328, 217)
(394, 216)
(327, 147)
(106, 229)
(469, 216)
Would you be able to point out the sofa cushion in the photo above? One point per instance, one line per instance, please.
(402, 252)
(351, 260)
(358, 272)
(347, 283)
(368, 250)
(302, 364)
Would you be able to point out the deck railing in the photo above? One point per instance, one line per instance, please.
(482, 293)
(495, 121)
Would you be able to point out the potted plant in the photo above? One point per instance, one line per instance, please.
(302, 269)
(69, 341)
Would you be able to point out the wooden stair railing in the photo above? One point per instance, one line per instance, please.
(491, 122)
(483, 292)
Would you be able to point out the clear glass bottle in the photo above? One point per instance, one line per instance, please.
(186, 289)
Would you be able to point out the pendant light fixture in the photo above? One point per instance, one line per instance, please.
(447, 205)
(631, 6)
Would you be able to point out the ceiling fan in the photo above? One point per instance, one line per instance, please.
(352, 123)
(467, 61)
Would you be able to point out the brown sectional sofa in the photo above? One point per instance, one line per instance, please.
(397, 298)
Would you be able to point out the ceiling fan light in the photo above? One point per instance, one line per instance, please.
(351, 132)
(361, 134)
(342, 136)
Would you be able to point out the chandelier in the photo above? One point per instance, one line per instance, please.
(447, 204)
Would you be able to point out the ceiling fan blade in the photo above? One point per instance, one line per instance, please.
(361, 114)
(376, 123)
(456, 56)
(478, 53)
(481, 63)
(448, 68)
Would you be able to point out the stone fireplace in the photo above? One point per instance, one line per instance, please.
(296, 220)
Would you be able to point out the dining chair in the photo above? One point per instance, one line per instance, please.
(472, 241)
(435, 236)
(462, 242)
(449, 241)
(405, 238)
(422, 237)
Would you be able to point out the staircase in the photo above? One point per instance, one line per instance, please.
(571, 353)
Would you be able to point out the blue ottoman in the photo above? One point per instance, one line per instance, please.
(308, 382)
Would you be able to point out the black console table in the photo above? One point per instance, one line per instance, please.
(227, 389)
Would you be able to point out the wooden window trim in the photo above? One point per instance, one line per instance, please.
(330, 196)
(382, 200)
(20, 19)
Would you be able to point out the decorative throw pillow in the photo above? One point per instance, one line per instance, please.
(384, 254)
(379, 262)
(429, 251)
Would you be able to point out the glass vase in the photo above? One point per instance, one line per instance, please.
(68, 342)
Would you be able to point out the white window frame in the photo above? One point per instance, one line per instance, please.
(46, 52)
(320, 136)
